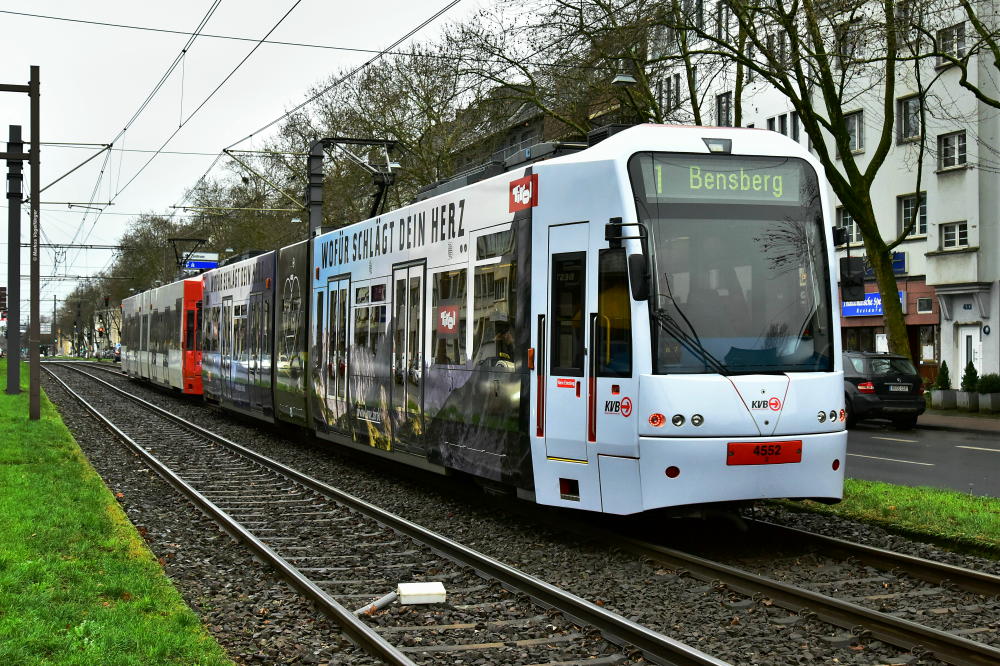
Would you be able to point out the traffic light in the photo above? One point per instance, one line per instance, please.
(3, 298)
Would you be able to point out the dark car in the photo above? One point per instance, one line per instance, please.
(882, 386)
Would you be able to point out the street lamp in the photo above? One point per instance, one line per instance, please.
(624, 80)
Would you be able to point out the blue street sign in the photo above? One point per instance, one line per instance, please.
(898, 265)
(201, 264)
(870, 307)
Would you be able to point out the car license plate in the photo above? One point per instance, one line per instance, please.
(899, 387)
(764, 453)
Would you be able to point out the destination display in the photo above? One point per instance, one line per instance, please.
(722, 179)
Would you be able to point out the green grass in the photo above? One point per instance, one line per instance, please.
(947, 517)
(77, 583)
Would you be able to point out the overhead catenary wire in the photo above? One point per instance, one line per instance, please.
(210, 96)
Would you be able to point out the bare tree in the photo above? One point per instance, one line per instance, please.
(831, 60)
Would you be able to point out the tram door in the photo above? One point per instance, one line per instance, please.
(567, 331)
(337, 365)
(407, 358)
(226, 351)
(255, 383)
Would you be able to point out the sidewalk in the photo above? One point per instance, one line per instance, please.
(936, 419)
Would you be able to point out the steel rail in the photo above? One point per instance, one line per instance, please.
(947, 647)
(939, 573)
(360, 632)
(657, 647)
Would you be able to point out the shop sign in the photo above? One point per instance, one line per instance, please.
(870, 307)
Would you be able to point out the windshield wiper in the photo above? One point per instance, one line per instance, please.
(691, 342)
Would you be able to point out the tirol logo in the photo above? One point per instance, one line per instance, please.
(523, 193)
(623, 407)
(774, 404)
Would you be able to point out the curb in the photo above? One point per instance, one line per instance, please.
(955, 428)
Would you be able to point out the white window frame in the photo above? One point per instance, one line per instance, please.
(844, 219)
(904, 208)
(906, 133)
(954, 235)
(930, 306)
(724, 109)
(952, 156)
(951, 40)
(857, 143)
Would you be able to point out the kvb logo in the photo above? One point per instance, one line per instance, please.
(623, 407)
(774, 404)
(523, 193)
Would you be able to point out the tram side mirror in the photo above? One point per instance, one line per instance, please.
(638, 276)
(840, 236)
(852, 279)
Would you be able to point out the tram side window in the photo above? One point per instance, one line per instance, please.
(568, 290)
(448, 328)
(495, 328)
(614, 320)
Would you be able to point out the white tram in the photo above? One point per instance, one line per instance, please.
(645, 323)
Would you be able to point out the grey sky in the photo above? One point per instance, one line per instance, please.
(94, 78)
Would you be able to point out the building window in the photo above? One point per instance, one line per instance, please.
(847, 35)
(777, 46)
(925, 305)
(951, 41)
(750, 58)
(672, 91)
(723, 15)
(795, 126)
(778, 124)
(954, 234)
(907, 208)
(855, 131)
(909, 118)
(724, 109)
(845, 219)
(951, 150)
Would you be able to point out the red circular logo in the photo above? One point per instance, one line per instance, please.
(774, 404)
(626, 408)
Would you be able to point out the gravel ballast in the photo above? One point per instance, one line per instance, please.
(688, 610)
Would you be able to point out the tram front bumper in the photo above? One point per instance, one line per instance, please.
(676, 471)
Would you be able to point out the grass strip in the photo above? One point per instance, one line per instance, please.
(947, 517)
(77, 583)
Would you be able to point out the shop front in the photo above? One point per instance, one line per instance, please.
(863, 325)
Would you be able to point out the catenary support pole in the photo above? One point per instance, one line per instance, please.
(15, 196)
(34, 334)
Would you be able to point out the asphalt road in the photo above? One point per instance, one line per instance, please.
(964, 461)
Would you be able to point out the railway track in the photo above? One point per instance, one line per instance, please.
(861, 589)
(343, 553)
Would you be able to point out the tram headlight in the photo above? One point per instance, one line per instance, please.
(821, 417)
(697, 420)
(677, 420)
(833, 414)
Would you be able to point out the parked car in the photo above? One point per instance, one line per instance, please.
(882, 386)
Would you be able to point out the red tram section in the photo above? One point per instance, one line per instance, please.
(191, 337)
(162, 335)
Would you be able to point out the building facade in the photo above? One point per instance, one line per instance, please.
(947, 267)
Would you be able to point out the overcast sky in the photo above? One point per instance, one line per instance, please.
(94, 78)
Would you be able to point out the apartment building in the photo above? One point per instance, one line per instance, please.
(947, 268)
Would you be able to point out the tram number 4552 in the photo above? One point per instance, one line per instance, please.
(764, 453)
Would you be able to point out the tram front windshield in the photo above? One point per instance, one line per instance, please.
(737, 250)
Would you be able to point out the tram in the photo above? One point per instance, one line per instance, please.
(644, 323)
(161, 339)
